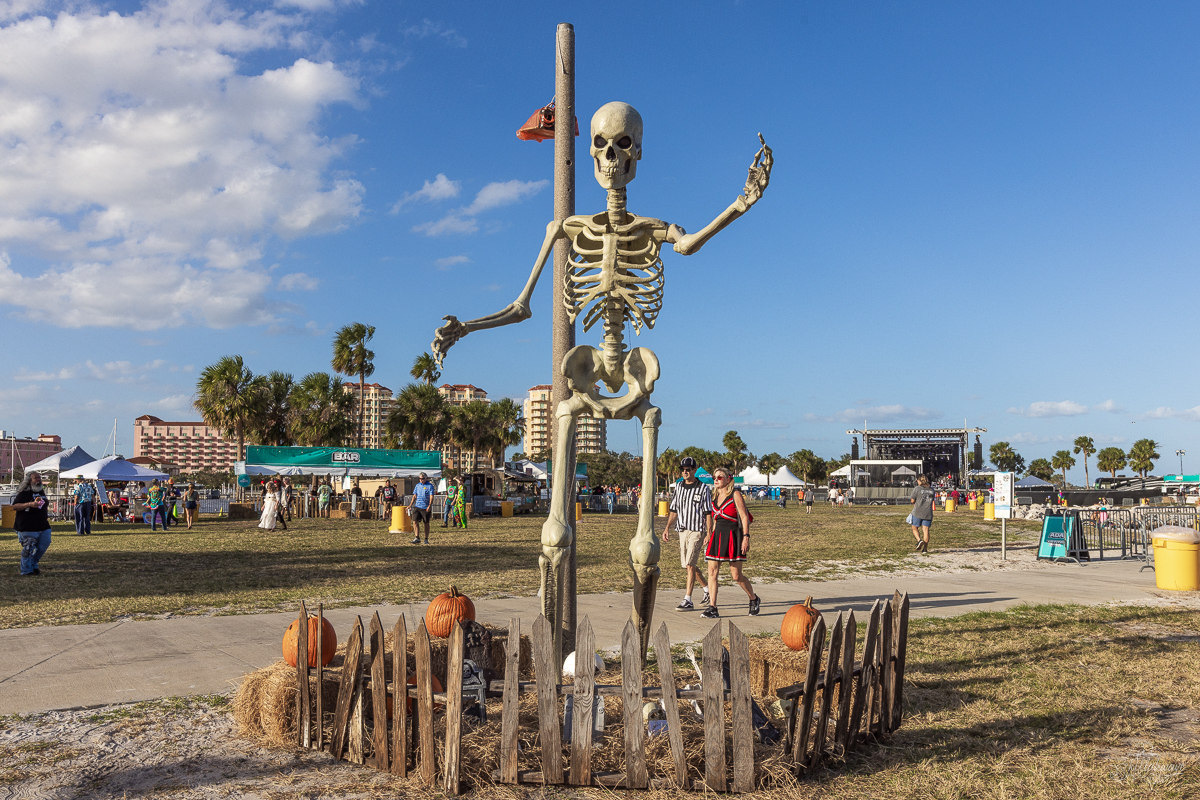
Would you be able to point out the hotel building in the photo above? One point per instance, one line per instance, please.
(591, 434)
(379, 404)
(193, 446)
(459, 394)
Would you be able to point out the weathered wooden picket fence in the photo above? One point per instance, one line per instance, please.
(869, 696)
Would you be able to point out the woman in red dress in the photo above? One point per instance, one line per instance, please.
(730, 540)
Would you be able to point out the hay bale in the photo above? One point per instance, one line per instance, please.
(774, 665)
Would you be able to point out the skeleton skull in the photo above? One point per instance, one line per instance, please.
(616, 144)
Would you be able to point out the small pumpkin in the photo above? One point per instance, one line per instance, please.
(329, 642)
(798, 624)
(412, 681)
(445, 610)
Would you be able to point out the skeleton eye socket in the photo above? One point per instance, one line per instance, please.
(624, 142)
(598, 142)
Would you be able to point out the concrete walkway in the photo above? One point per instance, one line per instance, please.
(53, 668)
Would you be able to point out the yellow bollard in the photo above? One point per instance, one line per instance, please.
(989, 511)
(578, 511)
(973, 504)
(8, 516)
(662, 508)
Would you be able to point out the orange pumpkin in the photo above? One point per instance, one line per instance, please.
(445, 610)
(412, 681)
(798, 624)
(292, 634)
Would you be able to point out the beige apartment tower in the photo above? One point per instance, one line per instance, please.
(590, 435)
(375, 413)
(459, 394)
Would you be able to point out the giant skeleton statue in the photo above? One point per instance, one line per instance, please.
(615, 276)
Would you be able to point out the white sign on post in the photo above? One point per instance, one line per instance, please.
(1003, 487)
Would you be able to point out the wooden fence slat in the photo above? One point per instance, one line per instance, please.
(303, 709)
(832, 661)
(379, 737)
(509, 715)
(350, 675)
(714, 712)
(900, 646)
(547, 670)
(864, 680)
(354, 745)
(884, 725)
(666, 677)
(454, 702)
(318, 740)
(846, 686)
(740, 700)
(581, 705)
(426, 758)
(631, 706)
(400, 698)
(816, 648)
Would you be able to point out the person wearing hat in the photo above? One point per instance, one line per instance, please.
(691, 513)
(85, 495)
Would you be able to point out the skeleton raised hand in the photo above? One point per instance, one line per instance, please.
(614, 276)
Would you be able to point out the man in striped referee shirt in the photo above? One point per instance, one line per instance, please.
(691, 513)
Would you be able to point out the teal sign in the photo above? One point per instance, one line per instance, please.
(244, 481)
(355, 458)
(1056, 537)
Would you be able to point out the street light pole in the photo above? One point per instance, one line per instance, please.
(1181, 454)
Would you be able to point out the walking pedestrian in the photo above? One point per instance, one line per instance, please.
(420, 508)
(324, 491)
(458, 504)
(387, 497)
(84, 495)
(691, 513)
(288, 495)
(154, 504)
(170, 493)
(270, 509)
(32, 523)
(730, 541)
(810, 495)
(280, 502)
(922, 512)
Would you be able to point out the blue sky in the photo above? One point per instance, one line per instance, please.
(984, 211)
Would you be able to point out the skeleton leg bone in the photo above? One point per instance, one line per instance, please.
(644, 549)
(557, 532)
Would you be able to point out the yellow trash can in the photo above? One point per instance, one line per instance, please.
(989, 511)
(1176, 558)
(578, 511)
(8, 517)
(949, 505)
(662, 508)
(973, 504)
(399, 518)
(506, 508)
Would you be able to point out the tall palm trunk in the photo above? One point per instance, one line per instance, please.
(362, 404)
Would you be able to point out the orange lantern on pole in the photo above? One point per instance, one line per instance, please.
(540, 126)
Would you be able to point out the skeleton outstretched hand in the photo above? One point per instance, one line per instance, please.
(445, 336)
(760, 173)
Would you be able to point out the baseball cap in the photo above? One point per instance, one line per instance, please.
(687, 462)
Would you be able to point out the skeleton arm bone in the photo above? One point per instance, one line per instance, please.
(516, 311)
(760, 175)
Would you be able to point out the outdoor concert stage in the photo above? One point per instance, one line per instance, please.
(942, 451)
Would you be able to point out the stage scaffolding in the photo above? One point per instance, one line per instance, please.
(941, 451)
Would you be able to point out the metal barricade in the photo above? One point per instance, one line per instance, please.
(1128, 530)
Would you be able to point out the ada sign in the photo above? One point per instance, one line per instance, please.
(1003, 488)
(349, 457)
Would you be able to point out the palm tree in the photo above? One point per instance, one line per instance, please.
(1142, 456)
(803, 463)
(1040, 468)
(322, 411)
(351, 357)
(1086, 446)
(508, 427)
(1063, 460)
(425, 368)
(1005, 458)
(470, 425)
(421, 417)
(228, 397)
(1111, 459)
(270, 425)
(769, 463)
(739, 457)
(668, 463)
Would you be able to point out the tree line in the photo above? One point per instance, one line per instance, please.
(276, 409)
(1140, 459)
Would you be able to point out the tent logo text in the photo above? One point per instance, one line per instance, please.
(350, 457)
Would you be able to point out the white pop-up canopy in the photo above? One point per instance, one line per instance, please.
(781, 477)
(844, 472)
(115, 468)
(63, 462)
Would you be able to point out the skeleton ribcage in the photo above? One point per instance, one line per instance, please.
(615, 273)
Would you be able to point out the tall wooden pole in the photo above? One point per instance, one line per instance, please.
(564, 328)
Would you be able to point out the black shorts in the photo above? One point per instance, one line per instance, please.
(808, 502)
(421, 514)
(190, 505)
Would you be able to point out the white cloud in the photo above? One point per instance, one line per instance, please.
(1110, 406)
(439, 29)
(64, 374)
(1166, 412)
(494, 195)
(884, 413)
(1048, 408)
(298, 282)
(704, 412)
(450, 261)
(121, 371)
(758, 424)
(138, 150)
(440, 188)
(742, 412)
(176, 402)
(1033, 438)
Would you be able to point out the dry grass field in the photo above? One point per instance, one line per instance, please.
(234, 567)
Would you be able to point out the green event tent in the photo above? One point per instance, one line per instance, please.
(338, 461)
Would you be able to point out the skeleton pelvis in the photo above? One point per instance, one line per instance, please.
(584, 367)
